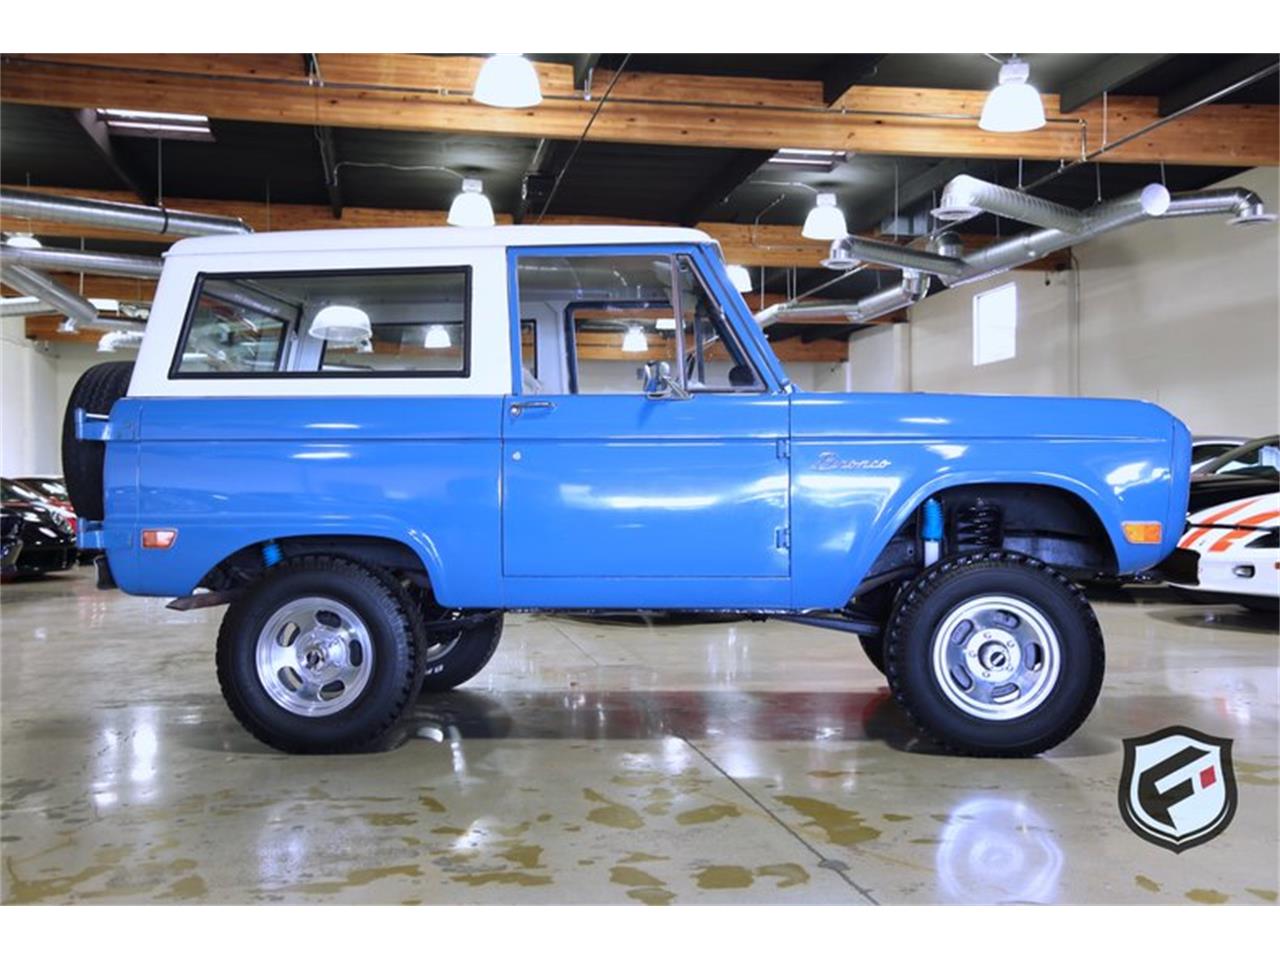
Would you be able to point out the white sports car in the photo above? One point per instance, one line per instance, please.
(1231, 552)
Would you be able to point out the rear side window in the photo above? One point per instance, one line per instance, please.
(402, 323)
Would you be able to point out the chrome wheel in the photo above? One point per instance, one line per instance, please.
(314, 656)
(996, 657)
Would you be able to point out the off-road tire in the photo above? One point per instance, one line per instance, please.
(873, 647)
(921, 610)
(387, 613)
(472, 652)
(96, 391)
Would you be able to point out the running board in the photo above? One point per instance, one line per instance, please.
(862, 627)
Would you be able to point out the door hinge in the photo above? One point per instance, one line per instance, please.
(782, 538)
(784, 449)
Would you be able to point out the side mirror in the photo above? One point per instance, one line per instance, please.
(658, 382)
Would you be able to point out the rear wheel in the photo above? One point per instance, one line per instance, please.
(873, 647)
(995, 654)
(319, 656)
(96, 391)
(455, 655)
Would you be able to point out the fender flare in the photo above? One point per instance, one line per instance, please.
(861, 558)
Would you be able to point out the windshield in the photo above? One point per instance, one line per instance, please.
(1257, 458)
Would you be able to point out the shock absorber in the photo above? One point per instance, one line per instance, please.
(931, 531)
(979, 526)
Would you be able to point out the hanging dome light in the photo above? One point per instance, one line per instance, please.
(508, 80)
(471, 208)
(339, 323)
(740, 277)
(1014, 106)
(825, 221)
(635, 341)
(23, 241)
(437, 338)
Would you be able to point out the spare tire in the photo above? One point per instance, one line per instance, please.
(96, 391)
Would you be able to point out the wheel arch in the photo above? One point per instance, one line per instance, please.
(1074, 530)
(412, 556)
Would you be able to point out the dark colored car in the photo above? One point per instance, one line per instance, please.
(48, 545)
(1251, 469)
(10, 543)
(54, 492)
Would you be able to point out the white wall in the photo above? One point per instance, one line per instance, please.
(30, 419)
(1185, 313)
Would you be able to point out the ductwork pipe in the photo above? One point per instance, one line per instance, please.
(79, 261)
(75, 308)
(117, 216)
(22, 307)
(965, 197)
(912, 290)
(849, 251)
(1152, 202)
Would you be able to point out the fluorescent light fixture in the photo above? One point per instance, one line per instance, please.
(471, 208)
(635, 341)
(508, 80)
(437, 338)
(665, 323)
(339, 323)
(151, 123)
(825, 221)
(824, 160)
(24, 241)
(105, 304)
(1014, 105)
(740, 277)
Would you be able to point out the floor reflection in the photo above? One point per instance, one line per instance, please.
(998, 850)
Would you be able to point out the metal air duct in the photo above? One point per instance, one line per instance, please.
(132, 217)
(912, 290)
(965, 197)
(35, 284)
(80, 261)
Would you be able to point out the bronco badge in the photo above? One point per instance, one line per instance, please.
(832, 461)
(1177, 788)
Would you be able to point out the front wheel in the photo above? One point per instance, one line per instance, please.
(320, 656)
(995, 654)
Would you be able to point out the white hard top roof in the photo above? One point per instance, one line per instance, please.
(437, 237)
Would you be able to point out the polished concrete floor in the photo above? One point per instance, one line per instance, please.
(721, 763)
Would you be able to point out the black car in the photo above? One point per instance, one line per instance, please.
(10, 543)
(47, 542)
(1251, 469)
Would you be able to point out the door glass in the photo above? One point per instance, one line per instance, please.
(616, 313)
(714, 359)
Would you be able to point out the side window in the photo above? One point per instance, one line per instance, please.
(618, 313)
(714, 359)
(368, 323)
(232, 332)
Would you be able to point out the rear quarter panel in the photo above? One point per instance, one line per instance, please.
(230, 472)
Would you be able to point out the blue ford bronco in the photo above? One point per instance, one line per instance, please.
(370, 444)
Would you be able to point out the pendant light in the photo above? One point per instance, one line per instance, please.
(508, 80)
(635, 341)
(740, 277)
(471, 208)
(825, 221)
(23, 241)
(340, 323)
(1014, 106)
(437, 338)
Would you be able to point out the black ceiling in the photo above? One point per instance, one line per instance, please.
(44, 146)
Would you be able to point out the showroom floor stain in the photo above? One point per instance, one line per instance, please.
(712, 763)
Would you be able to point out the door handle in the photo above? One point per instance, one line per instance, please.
(521, 405)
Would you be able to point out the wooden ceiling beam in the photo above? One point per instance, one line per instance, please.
(432, 94)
